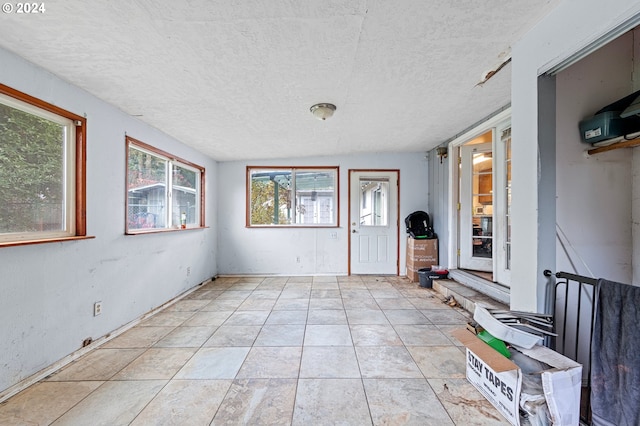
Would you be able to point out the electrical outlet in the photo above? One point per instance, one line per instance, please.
(97, 309)
(333, 235)
(297, 259)
(188, 270)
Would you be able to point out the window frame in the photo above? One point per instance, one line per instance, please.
(293, 170)
(172, 160)
(74, 172)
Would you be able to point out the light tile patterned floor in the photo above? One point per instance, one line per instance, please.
(357, 350)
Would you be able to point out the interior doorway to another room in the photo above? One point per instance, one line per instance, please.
(482, 213)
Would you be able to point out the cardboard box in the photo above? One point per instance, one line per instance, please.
(420, 254)
(499, 380)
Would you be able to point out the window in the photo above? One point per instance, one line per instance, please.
(163, 192)
(287, 196)
(42, 171)
(376, 189)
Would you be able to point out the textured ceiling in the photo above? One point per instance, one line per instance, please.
(235, 79)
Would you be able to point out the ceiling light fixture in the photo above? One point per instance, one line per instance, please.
(322, 111)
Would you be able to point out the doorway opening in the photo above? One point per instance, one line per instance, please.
(483, 199)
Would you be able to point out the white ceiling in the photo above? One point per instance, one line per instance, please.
(235, 79)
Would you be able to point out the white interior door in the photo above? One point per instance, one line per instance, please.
(476, 207)
(373, 225)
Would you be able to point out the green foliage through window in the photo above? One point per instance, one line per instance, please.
(33, 171)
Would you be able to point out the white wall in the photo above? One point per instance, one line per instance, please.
(48, 290)
(593, 192)
(439, 202)
(572, 26)
(245, 250)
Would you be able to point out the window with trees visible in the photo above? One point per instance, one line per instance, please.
(292, 196)
(42, 171)
(163, 192)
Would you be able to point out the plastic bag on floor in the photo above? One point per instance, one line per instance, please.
(536, 408)
(532, 399)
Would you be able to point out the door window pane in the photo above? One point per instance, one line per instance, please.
(375, 212)
(482, 202)
(482, 239)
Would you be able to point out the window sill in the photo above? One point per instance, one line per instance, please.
(45, 240)
(162, 231)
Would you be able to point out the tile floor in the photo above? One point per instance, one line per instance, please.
(268, 351)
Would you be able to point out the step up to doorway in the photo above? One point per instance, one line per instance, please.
(466, 296)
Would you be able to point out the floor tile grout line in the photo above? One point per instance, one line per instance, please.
(173, 377)
(358, 361)
(79, 401)
(105, 381)
(302, 349)
(280, 288)
(235, 378)
(232, 381)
